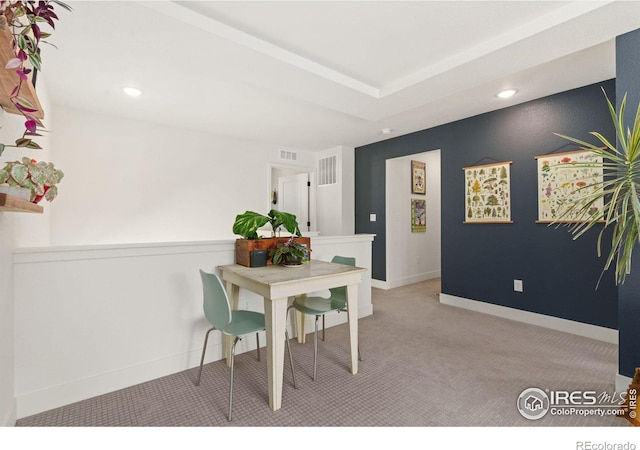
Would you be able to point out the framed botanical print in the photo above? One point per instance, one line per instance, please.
(565, 178)
(488, 193)
(418, 175)
(418, 216)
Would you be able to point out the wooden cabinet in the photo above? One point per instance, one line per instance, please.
(244, 247)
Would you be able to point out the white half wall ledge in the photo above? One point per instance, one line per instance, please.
(104, 346)
(555, 323)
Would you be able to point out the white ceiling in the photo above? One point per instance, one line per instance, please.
(312, 75)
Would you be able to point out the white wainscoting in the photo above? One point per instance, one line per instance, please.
(93, 319)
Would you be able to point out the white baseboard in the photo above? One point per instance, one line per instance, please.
(65, 394)
(622, 383)
(554, 323)
(391, 284)
(10, 417)
(36, 402)
(379, 284)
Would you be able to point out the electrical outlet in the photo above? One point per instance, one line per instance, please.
(372, 217)
(517, 285)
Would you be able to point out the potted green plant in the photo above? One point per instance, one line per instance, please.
(41, 178)
(247, 225)
(289, 253)
(619, 190)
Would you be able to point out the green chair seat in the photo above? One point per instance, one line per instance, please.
(244, 322)
(236, 324)
(319, 306)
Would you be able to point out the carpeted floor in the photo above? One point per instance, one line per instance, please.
(424, 364)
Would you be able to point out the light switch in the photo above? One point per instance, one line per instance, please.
(372, 217)
(517, 285)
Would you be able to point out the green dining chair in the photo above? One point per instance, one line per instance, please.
(319, 306)
(236, 324)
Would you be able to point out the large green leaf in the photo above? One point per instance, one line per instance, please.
(247, 224)
(288, 220)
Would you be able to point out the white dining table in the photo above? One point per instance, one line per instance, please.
(277, 284)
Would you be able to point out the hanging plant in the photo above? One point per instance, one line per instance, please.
(25, 20)
(619, 190)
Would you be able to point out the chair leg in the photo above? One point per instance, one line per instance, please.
(286, 336)
(258, 345)
(233, 354)
(315, 350)
(323, 328)
(293, 372)
(204, 349)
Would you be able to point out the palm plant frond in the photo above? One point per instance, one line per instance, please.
(619, 190)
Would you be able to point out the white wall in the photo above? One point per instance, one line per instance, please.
(411, 257)
(101, 318)
(336, 202)
(7, 402)
(17, 229)
(130, 181)
(85, 327)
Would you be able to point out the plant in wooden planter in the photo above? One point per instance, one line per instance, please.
(41, 178)
(247, 225)
(21, 22)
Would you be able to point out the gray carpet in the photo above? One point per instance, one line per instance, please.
(424, 364)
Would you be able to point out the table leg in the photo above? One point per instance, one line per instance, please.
(301, 327)
(352, 312)
(233, 292)
(275, 311)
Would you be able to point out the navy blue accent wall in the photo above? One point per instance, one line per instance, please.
(480, 261)
(628, 81)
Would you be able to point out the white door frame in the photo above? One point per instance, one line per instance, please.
(312, 191)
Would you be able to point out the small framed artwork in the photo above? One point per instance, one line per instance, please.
(564, 179)
(418, 216)
(488, 193)
(418, 175)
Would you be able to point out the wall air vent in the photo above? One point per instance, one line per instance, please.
(327, 171)
(288, 155)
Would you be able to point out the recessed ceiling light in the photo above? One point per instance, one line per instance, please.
(131, 91)
(507, 93)
(386, 131)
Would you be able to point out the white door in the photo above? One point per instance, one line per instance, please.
(293, 197)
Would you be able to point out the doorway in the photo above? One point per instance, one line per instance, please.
(412, 254)
(292, 189)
